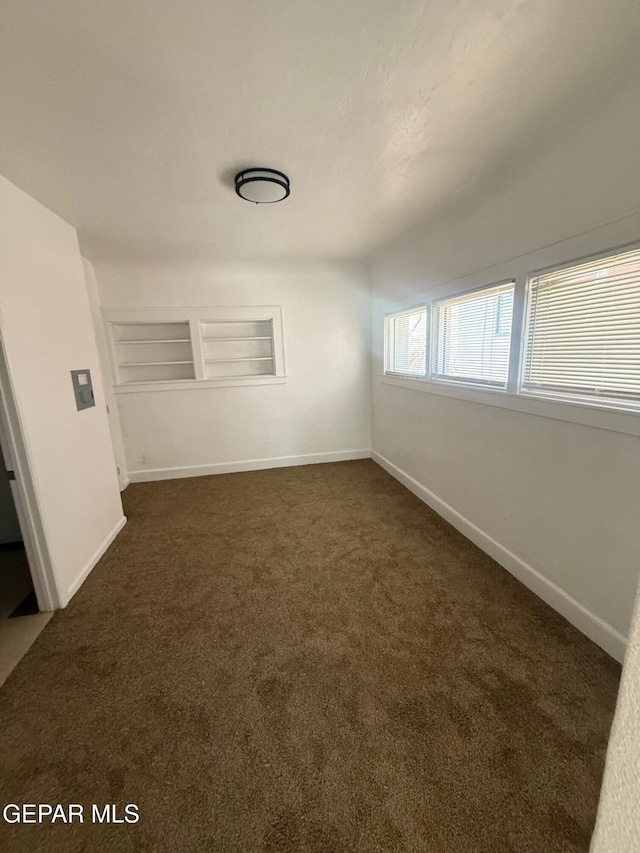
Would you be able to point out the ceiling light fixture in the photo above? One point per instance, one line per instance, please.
(262, 186)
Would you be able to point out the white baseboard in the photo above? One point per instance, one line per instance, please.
(100, 550)
(124, 483)
(595, 628)
(246, 465)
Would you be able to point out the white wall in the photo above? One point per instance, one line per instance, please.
(321, 413)
(113, 413)
(618, 824)
(47, 332)
(556, 502)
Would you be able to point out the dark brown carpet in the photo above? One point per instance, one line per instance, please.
(306, 659)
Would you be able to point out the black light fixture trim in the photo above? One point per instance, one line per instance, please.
(256, 174)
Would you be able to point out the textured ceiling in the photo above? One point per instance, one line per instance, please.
(129, 119)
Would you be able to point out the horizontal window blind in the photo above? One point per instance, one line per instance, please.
(407, 342)
(471, 336)
(583, 330)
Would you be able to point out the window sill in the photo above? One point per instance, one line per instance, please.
(577, 412)
(196, 384)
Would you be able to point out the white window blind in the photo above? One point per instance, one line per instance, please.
(471, 336)
(583, 330)
(407, 342)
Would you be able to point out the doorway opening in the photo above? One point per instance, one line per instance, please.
(21, 621)
(27, 591)
(16, 586)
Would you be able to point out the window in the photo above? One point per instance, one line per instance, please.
(407, 342)
(583, 330)
(471, 336)
(580, 331)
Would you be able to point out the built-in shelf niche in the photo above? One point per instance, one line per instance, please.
(237, 348)
(204, 347)
(153, 352)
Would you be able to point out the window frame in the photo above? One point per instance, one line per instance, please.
(432, 338)
(617, 415)
(619, 404)
(388, 318)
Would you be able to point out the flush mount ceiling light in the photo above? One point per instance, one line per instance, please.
(262, 186)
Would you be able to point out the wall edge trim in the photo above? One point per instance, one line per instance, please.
(599, 631)
(179, 472)
(75, 585)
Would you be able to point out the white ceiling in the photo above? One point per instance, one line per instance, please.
(130, 117)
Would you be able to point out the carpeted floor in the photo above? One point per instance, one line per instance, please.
(305, 659)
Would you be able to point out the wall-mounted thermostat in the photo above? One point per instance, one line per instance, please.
(83, 389)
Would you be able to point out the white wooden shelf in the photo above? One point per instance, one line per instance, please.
(252, 338)
(159, 341)
(249, 358)
(195, 347)
(152, 363)
(136, 382)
